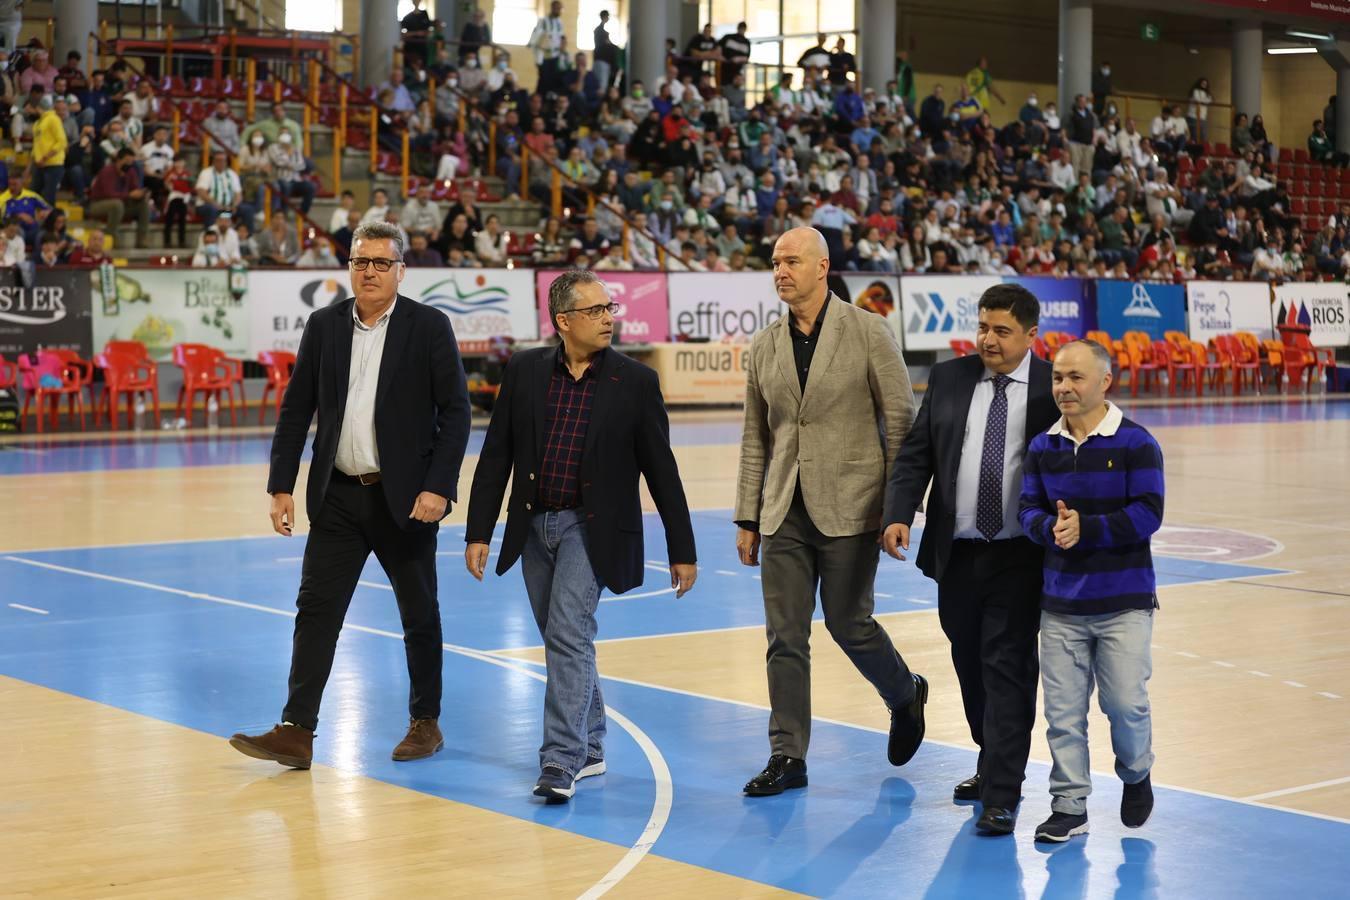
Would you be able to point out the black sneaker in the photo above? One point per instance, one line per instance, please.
(555, 785)
(594, 766)
(1136, 803)
(1060, 827)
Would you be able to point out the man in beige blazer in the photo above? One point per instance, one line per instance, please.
(827, 404)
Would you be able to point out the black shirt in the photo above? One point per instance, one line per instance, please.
(735, 48)
(803, 351)
(804, 346)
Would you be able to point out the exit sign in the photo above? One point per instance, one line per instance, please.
(1148, 31)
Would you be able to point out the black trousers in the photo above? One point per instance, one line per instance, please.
(989, 606)
(355, 521)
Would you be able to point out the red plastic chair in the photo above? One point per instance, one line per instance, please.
(72, 388)
(1319, 358)
(204, 372)
(129, 376)
(236, 367)
(9, 373)
(1181, 371)
(279, 364)
(1212, 366)
(1040, 349)
(1244, 363)
(962, 348)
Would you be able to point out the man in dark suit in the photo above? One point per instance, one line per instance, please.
(976, 420)
(384, 375)
(572, 428)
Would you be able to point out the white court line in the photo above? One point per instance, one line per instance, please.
(665, 787)
(31, 609)
(1295, 684)
(1226, 665)
(375, 584)
(290, 559)
(726, 572)
(883, 596)
(621, 597)
(660, 567)
(1258, 674)
(1297, 790)
(1329, 695)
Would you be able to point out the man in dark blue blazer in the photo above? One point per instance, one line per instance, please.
(976, 420)
(383, 373)
(572, 428)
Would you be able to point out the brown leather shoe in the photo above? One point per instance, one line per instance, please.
(423, 740)
(289, 745)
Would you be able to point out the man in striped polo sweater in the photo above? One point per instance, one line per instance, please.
(1092, 495)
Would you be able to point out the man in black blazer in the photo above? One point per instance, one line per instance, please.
(572, 428)
(976, 420)
(384, 375)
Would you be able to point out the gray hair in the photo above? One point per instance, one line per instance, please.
(562, 294)
(380, 231)
(1097, 350)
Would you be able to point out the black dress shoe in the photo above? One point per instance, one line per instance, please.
(907, 726)
(968, 789)
(781, 774)
(996, 820)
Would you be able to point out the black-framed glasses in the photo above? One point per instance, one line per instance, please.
(382, 264)
(595, 312)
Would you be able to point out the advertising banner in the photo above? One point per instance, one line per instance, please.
(53, 312)
(1135, 306)
(936, 309)
(1227, 307)
(1320, 306)
(873, 291)
(163, 307)
(644, 308)
(701, 373)
(480, 303)
(719, 306)
(1064, 302)
(279, 304)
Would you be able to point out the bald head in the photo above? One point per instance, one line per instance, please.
(801, 260)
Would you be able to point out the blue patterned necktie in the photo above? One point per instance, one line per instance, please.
(989, 503)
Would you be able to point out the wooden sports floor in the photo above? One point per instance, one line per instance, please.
(145, 615)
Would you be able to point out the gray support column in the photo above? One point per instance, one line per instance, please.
(1247, 61)
(379, 36)
(876, 36)
(75, 21)
(647, 28)
(1075, 51)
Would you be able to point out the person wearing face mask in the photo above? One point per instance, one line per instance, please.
(977, 418)
(1101, 88)
(255, 168)
(319, 256)
(117, 193)
(288, 167)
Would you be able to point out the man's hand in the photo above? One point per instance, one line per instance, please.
(894, 539)
(682, 577)
(1066, 526)
(475, 559)
(283, 514)
(747, 546)
(428, 507)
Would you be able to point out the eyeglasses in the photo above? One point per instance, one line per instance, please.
(595, 312)
(359, 263)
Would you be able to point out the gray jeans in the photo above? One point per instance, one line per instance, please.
(796, 560)
(1114, 651)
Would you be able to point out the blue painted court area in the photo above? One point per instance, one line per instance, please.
(199, 634)
(77, 453)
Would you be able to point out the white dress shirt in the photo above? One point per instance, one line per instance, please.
(357, 451)
(1014, 450)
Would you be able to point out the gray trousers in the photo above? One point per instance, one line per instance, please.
(1112, 651)
(795, 560)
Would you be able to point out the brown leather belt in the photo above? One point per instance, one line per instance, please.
(365, 480)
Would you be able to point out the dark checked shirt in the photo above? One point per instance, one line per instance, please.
(567, 416)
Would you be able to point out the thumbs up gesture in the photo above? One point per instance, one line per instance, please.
(1066, 526)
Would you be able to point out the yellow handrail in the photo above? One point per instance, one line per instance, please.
(555, 192)
(403, 175)
(250, 79)
(524, 171)
(374, 139)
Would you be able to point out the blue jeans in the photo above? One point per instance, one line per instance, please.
(1114, 650)
(564, 594)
